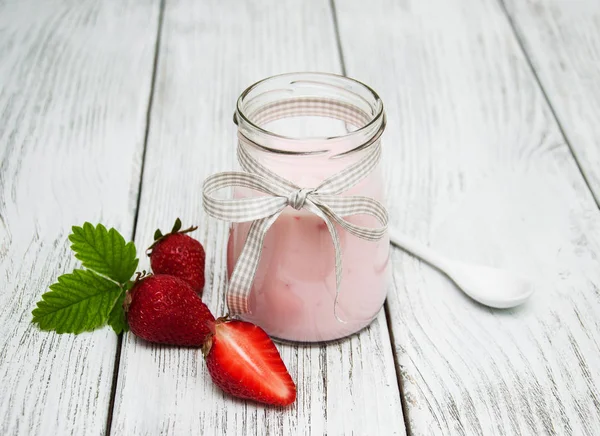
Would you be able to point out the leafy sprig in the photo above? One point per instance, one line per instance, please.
(87, 299)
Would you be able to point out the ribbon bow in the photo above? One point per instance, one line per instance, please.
(324, 201)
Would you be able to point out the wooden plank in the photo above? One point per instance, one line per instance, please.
(73, 104)
(478, 169)
(562, 40)
(210, 51)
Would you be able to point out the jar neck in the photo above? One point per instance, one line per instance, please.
(331, 98)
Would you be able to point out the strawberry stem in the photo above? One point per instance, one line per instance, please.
(207, 345)
(139, 276)
(127, 301)
(223, 319)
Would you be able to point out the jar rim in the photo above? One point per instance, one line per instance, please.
(378, 118)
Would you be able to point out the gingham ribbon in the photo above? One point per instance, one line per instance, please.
(324, 201)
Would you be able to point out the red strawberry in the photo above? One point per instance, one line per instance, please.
(166, 310)
(243, 361)
(179, 255)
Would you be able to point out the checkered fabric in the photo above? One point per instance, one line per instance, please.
(309, 106)
(324, 201)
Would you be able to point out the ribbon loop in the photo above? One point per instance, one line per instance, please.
(323, 201)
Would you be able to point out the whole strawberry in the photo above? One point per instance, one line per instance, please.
(166, 310)
(179, 255)
(243, 361)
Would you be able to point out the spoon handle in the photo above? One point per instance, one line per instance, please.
(417, 249)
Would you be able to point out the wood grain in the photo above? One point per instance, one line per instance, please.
(210, 51)
(562, 41)
(73, 99)
(477, 168)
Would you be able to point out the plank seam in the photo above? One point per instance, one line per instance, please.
(521, 43)
(117, 364)
(388, 320)
(386, 309)
(338, 40)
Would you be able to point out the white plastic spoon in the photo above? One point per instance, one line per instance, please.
(490, 286)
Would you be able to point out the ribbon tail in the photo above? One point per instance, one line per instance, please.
(338, 253)
(243, 274)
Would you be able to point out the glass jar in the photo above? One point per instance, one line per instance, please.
(307, 127)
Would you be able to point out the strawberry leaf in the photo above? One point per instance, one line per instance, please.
(104, 251)
(176, 226)
(79, 301)
(116, 318)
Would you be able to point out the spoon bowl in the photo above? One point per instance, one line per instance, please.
(493, 287)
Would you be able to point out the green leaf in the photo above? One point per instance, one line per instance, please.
(79, 301)
(176, 226)
(116, 318)
(158, 234)
(104, 251)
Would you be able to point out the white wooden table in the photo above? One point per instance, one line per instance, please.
(115, 111)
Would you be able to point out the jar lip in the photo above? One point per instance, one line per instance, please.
(378, 117)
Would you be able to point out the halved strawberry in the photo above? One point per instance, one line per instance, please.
(243, 361)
